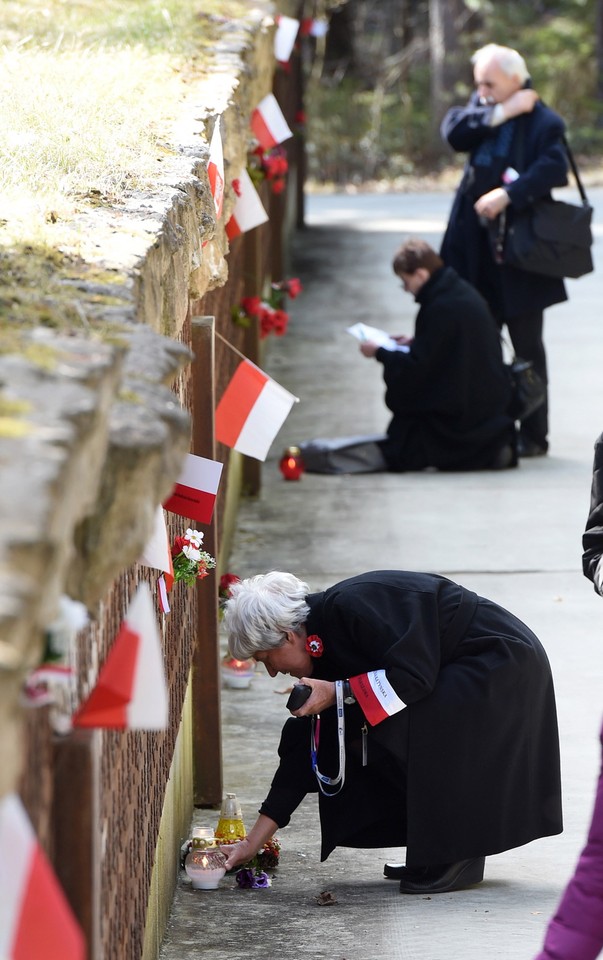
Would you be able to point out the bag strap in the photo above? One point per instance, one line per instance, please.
(570, 157)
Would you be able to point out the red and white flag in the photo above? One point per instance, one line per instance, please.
(131, 690)
(252, 411)
(157, 553)
(375, 695)
(194, 495)
(268, 123)
(248, 210)
(36, 922)
(284, 38)
(215, 169)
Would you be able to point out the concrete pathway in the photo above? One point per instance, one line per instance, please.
(514, 536)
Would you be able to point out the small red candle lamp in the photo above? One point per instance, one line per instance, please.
(291, 464)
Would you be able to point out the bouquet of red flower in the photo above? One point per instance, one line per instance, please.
(269, 313)
(271, 165)
(224, 591)
(191, 563)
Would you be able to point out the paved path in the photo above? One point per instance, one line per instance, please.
(513, 536)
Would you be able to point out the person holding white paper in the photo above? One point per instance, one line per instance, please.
(447, 386)
(449, 393)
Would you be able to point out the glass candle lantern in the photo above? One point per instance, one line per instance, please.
(237, 674)
(291, 464)
(230, 825)
(205, 864)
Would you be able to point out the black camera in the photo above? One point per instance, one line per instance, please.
(298, 696)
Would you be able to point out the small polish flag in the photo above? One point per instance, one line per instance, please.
(131, 690)
(36, 922)
(284, 38)
(268, 124)
(375, 696)
(162, 593)
(252, 411)
(157, 553)
(194, 495)
(215, 169)
(248, 210)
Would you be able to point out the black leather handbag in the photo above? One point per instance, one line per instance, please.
(550, 237)
(528, 389)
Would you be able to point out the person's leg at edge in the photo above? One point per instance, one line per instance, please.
(526, 333)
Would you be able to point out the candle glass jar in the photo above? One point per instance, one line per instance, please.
(291, 464)
(230, 825)
(205, 864)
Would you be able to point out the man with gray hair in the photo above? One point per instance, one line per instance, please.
(516, 155)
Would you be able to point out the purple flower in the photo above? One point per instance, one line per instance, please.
(250, 880)
(261, 880)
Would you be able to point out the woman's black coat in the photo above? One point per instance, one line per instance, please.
(471, 766)
(450, 394)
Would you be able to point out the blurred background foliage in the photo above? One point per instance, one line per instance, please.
(380, 82)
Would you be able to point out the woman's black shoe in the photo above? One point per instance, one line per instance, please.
(451, 876)
(399, 871)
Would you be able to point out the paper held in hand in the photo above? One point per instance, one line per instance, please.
(363, 332)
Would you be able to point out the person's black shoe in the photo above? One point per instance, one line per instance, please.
(399, 871)
(451, 876)
(529, 448)
(505, 458)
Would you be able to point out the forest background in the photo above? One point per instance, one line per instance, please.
(391, 68)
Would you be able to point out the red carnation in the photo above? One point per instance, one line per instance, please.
(236, 186)
(278, 186)
(251, 305)
(280, 319)
(178, 544)
(293, 287)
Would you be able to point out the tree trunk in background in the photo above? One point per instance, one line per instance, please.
(599, 61)
(445, 19)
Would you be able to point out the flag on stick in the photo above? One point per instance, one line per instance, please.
(36, 922)
(194, 495)
(131, 690)
(248, 210)
(252, 411)
(215, 169)
(268, 123)
(284, 38)
(157, 553)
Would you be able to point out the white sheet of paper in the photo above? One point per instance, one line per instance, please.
(363, 332)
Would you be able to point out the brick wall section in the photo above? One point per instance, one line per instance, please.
(134, 766)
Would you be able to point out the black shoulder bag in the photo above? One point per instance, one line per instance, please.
(549, 237)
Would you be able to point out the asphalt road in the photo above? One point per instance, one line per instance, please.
(514, 536)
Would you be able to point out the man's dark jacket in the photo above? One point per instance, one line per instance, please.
(450, 394)
(471, 766)
(538, 155)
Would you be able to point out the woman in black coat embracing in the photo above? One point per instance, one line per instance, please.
(430, 721)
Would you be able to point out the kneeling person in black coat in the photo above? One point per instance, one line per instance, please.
(450, 393)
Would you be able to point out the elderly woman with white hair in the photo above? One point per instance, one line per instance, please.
(430, 721)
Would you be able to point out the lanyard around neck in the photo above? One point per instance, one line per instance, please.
(324, 781)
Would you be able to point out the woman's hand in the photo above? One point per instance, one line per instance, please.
(368, 348)
(238, 853)
(322, 696)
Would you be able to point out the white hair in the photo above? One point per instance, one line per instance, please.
(510, 61)
(262, 609)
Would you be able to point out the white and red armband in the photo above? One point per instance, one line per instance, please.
(375, 695)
